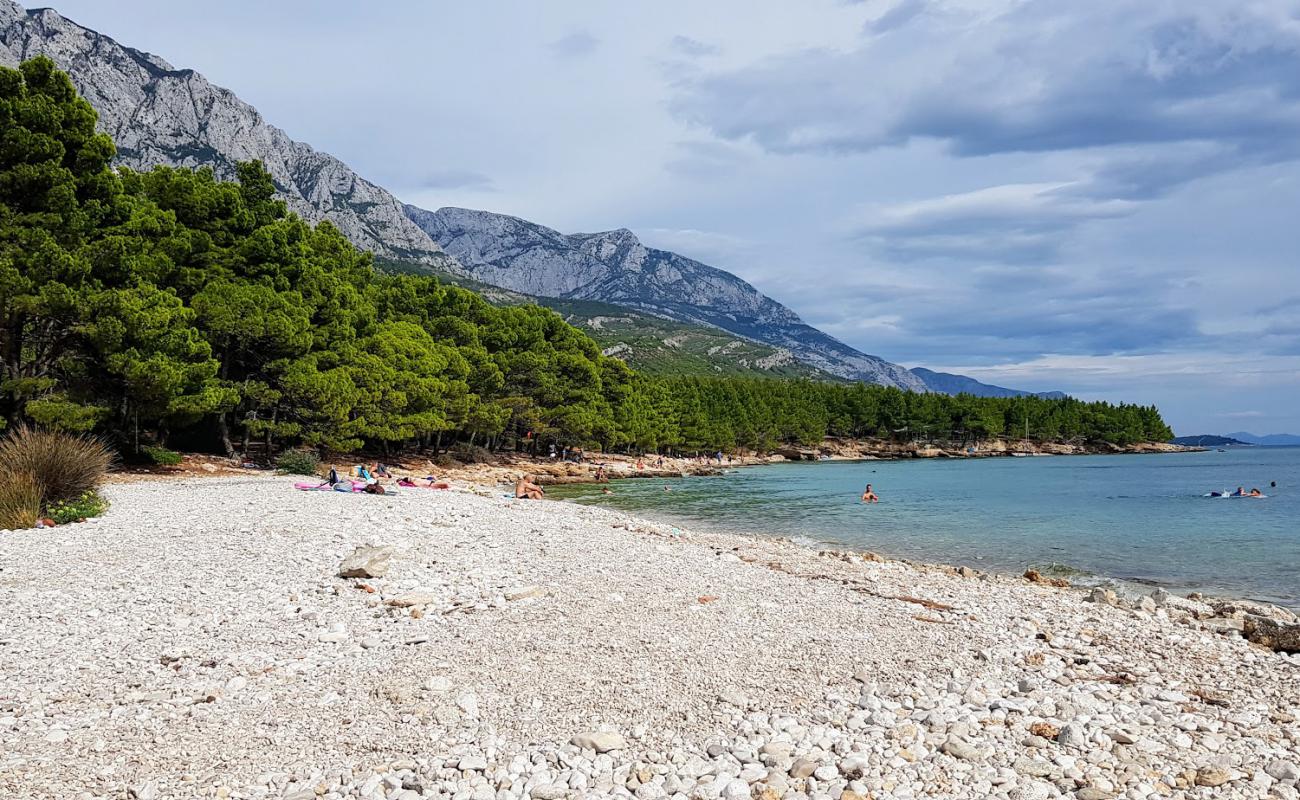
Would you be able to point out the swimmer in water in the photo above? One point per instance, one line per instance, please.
(869, 495)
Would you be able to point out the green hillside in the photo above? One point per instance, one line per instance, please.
(649, 344)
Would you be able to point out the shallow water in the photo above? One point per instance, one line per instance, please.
(1134, 518)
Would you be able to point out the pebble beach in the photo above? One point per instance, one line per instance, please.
(200, 640)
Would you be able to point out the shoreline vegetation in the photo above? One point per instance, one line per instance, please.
(170, 310)
(218, 633)
(486, 646)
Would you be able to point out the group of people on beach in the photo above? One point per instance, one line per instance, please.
(371, 480)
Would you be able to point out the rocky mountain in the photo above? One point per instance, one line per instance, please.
(615, 267)
(159, 114)
(948, 383)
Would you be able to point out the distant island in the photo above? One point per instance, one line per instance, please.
(1238, 438)
(1206, 440)
(1268, 440)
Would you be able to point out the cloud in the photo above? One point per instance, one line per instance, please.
(1028, 77)
(1013, 223)
(708, 160)
(1031, 206)
(710, 247)
(693, 48)
(1242, 414)
(576, 44)
(457, 179)
(902, 13)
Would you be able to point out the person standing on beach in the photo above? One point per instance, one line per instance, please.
(869, 495)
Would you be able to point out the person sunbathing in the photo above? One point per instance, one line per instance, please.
(525, 489)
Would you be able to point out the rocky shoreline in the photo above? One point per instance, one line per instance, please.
(199, 641)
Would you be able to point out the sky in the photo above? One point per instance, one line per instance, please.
(1097, 197)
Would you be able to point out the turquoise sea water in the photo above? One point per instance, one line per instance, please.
(1132, 518)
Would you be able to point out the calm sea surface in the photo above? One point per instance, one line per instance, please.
(1133, 518)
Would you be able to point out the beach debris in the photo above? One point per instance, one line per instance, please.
(1072, 735)
(412, 600)
(734, 697)
(923, 618)
(1212, 776)
(600, 741)
(1034, 576)
(1210, 698)
(1045, 729)
(921, 601)
(366, 562)
(1102, 595)
(524, 592)
(958, 749)
(803, 768)
(706, 598)
(1272, 634)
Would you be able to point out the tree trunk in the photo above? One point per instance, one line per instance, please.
(223, 428)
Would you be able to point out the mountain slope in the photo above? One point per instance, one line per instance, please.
(658, 346)
(159, 114)
(614, 267)
(649, 344)
(1268, 440)
(948, 383)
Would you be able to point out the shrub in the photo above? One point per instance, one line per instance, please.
(161, 455)
(90, 504)
(471, 454)
(20, 501)
(298, 462)
(444, 461)
(64, 466)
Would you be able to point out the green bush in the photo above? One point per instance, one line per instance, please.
(64, 466)
(161, 455)
(298, 462)
(90, 504)
(20, 501)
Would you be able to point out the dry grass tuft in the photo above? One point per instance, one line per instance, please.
(64, 466)
(20, 501)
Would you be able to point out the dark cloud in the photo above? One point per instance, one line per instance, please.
(576, 44)
(1003, 313)
(1064, 77)
(693, 48)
